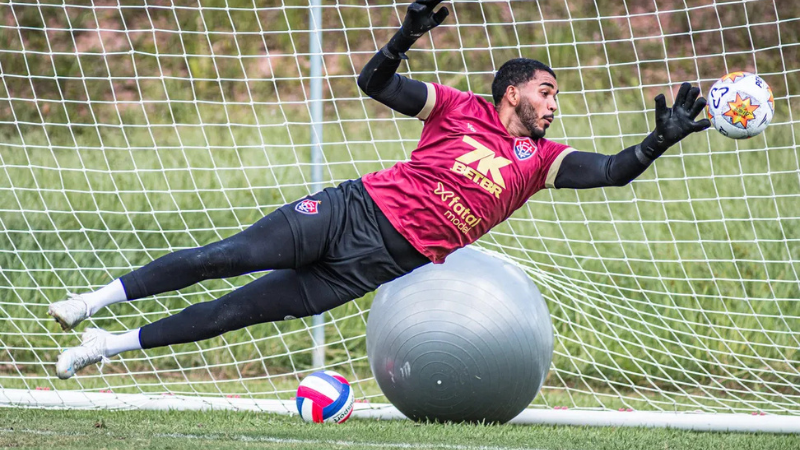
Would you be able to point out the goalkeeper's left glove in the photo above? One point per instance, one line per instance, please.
(420, 19)
(674, 124)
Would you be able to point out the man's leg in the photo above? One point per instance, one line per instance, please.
(350, 257)
(276, 296)
(267, 244)
(279, 295)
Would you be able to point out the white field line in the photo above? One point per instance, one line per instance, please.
(265, 439)
(339, 442)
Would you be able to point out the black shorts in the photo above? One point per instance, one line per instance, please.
(345, 246)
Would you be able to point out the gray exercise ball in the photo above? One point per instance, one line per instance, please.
(469, 340)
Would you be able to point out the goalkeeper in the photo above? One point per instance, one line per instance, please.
(476, 163)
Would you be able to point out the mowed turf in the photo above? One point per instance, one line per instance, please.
(228, 430)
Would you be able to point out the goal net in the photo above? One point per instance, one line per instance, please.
(133, 128)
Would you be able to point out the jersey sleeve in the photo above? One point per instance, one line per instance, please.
(440, 99)
(553, 155)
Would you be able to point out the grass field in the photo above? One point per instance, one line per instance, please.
(30, 429)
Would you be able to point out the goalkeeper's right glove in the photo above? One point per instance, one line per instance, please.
(674, 124)
(420, 19)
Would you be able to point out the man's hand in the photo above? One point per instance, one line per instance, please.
(420, 19)
(674, 124)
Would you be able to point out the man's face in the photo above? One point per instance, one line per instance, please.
(537, 103)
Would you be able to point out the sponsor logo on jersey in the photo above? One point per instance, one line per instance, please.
(524, 148)
(458, 214)
(307, 206)
(487, 173)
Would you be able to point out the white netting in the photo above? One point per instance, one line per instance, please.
(130, 129)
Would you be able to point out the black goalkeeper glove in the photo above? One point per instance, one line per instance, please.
(674, 124)
(420, 19)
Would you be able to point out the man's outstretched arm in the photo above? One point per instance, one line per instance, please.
(379, 79)
(582, 170)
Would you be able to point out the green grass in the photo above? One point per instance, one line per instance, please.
(229, 430)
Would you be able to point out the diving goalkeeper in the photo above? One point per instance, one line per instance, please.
(476, 163)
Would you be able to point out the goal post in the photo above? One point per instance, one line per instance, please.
(129, 129)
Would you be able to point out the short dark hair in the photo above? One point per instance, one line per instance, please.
(515, 72)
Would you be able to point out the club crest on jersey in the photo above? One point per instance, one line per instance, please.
(307, 206)
(524, 148)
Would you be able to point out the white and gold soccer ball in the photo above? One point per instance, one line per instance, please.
(740, 105)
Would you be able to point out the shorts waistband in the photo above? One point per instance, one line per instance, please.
(398, 247)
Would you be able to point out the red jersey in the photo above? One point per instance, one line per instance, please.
(466, 175)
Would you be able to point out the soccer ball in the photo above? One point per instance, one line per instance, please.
(740, 105)
(325, 396)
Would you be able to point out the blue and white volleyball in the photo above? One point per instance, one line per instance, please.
(325, 396)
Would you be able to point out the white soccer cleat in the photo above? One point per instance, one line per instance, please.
(91, 351)
(70, 312)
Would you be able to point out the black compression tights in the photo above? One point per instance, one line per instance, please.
(270, 298)
(267, 244)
